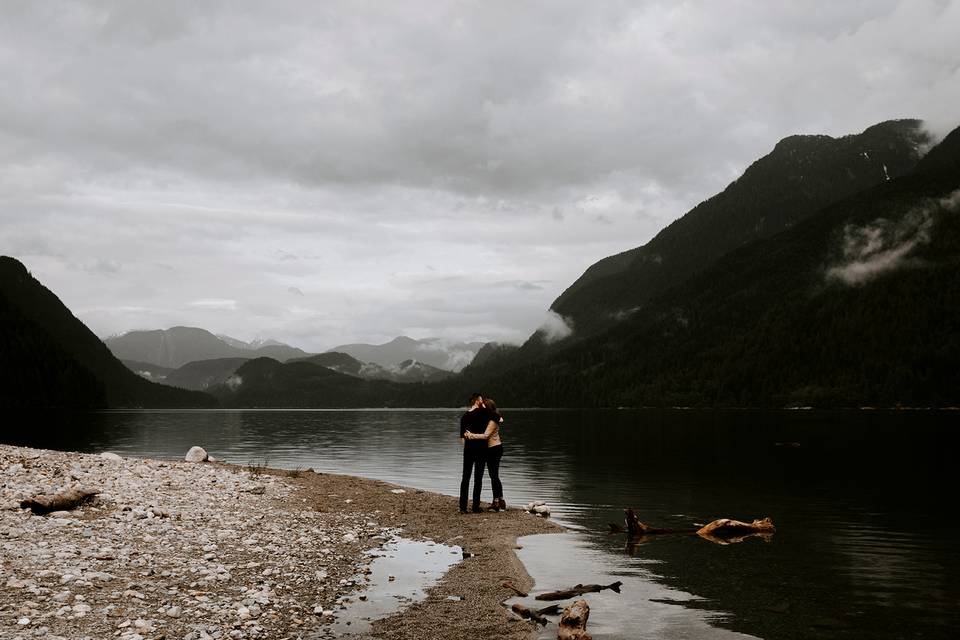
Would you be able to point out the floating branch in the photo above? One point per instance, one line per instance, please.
(637, 528)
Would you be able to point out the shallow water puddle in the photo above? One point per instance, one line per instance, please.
(401, 572)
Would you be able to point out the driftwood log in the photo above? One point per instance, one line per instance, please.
(530, 614)
(573, 622)
(512, 587)
(62, 501)
(579, 590)
(727, 531)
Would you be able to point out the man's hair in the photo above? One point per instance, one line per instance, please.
(474, 397)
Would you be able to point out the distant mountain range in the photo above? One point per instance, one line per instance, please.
(450, 356)
(406, 371)
(195, 358)
(52, 360)
(175, 347)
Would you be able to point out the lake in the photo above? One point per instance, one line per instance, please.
(865, 542)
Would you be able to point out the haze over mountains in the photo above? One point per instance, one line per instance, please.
(450, 356)
(827, 275)
(194, 358)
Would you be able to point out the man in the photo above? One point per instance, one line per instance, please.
(474, 451)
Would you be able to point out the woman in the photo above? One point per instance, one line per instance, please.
(494, 451)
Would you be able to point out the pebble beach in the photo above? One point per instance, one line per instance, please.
(199, 550)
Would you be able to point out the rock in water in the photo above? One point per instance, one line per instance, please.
(196, 454)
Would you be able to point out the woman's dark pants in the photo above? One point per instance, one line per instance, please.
(474, 459)
(493, 466)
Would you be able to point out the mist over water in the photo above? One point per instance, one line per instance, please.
(862, 501)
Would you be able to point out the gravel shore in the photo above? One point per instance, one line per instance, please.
(201, 550)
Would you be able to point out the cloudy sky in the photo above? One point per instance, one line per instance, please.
(330, 172)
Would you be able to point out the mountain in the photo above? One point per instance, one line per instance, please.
(147, 370)
(430, 351)
(339, 362)
(405, 372)
(177, 346)
(267, 383)
(199, 375)
(52, 360)
(802, 175)
(853, 305)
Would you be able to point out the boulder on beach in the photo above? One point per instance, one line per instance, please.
(109, 455)
(196, 454)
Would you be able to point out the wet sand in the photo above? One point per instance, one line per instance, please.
(491, 537)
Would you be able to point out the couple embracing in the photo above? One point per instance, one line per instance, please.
(480, 432)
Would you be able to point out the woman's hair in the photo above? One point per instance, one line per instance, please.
(490, 405)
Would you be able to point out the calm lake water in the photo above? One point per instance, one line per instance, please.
(863, 503)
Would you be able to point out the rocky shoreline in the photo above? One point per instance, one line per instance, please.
(201, 550)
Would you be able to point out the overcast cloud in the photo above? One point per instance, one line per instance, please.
(331, 172)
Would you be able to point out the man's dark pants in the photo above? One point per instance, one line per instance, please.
(474, 460)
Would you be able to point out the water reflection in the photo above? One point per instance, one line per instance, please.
(862, 501)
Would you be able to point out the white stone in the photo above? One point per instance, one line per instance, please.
(112, 457)
(24, 621)
(14, 583)
(196, 454)
(143, 625)
(174, 612)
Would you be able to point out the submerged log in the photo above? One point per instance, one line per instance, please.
(573, 623)
(637, 528)
(727, 531)
(63, 501)
(579, 590)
